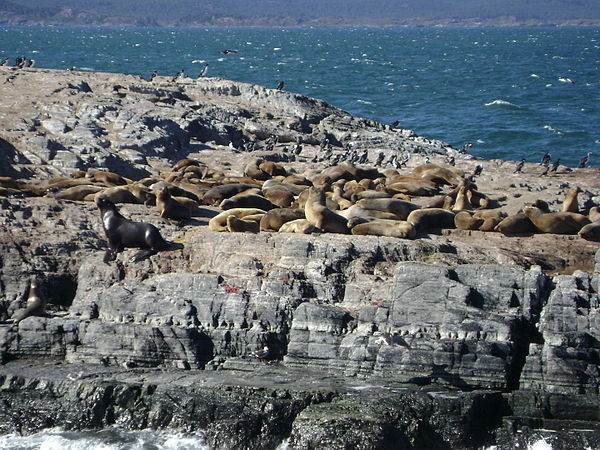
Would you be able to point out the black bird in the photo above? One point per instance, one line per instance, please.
(546, 159)
(153, 76)
(555, 165)
(19, 62)
(466, 148)
(478, 170)
(262, 354)
(583, 161)
(520, 165)
(203, 72)
(379, 159)
(4, 62)
(227, 51)
(394, 124)
(280, 85)
(546, 169)
(178, 76)
(30, 63)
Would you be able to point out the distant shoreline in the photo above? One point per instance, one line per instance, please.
(266, 22)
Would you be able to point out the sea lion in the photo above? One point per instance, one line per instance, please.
(295, 179)
(330, 175)
(320, 216)
(391, 228)
(338, 196)
(172, 208)
(401, 208)
(556, 223)
(236, 225)
(462, 201)
(542, 204)
(279, 195)
(515, 224)
(124, 233)
(301, 226)
(247, 200)
(416, 188)
(219, 193)
(356, 211)
(219, 222)
(185, 162)
(272, 168)
(253, 170)
(301, 201)
(275, 218)
(107, 178)
(490, 217)
(594, 214)
(464, 220)
(126, 194)
(570, 203)
(36, 302)
(432, 218)
(590, 232)
(371, 193)
(76, 193)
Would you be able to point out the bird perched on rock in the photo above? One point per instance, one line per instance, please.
(394, 124)
(583, 161)
(478, 170)
(178, 76)
(555, 165)
(379, 159)
(546, 159)
(203, 72)
(465, 148)
(262, 354)
(520, 165)
(4, 62)
(545, 171)
(280, 85)
(30, 63)
(153, 76)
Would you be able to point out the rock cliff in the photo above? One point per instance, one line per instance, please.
(452, 340)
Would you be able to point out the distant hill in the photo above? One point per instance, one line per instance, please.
(300, 12)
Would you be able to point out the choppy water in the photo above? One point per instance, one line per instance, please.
(512, 92)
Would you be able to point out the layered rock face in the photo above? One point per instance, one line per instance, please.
(452, 340)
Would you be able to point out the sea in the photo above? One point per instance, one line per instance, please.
(511, 92)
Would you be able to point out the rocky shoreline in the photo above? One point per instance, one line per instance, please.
(454, 339)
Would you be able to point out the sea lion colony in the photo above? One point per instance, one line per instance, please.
(344, 198)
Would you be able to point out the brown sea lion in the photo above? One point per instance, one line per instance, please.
(272, 168)
(275, 218)
(570, 203)
(252, 170)
(462, 201)
(401, 208)
(464, 220)
(236, 225)
(247, 200)
(594, 214)
(317, 213)
(515, 224)
(556, 223)
(185, 162)
(338, 196)
(391, 228)
(107, 178)
(126, 194)
(490, 217)
(172, 207)
(432, 218)
(279, 196)
(219, 222)
(77, 193)
(36, 302)
(356, 211)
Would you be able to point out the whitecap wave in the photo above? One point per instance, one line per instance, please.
(197, 61)
(566, 80)
(535, 75)
(366, 102)
(554, 130)
(502, 102)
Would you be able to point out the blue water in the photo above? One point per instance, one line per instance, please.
(512, 92)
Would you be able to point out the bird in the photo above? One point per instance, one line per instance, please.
(153, 76)
(546, 159)
(30, 63)
(262, 355)
(280, 85)
(4, 62)
(379, 159)
(178, 76)
(203, 72)
(545, 171)
(227, 51)
(478, 170)
(583, 161)
(555, 165)
(19, 62)
(466, 148)
(520, 165)
(394, 124)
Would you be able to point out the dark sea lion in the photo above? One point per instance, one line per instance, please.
(515, 224)
(107, 178)
(590, 232)
(185, 162)
(432, 218)
(36, 302)
(252, 170)
(236, 225)
(317, 213)
(247, 200)
(391, 228)
(556, 223)
(464, 220)
(219, 193)
(124, 233)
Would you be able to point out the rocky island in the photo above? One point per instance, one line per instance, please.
(398, 312)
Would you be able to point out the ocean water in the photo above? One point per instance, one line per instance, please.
(511, 92)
